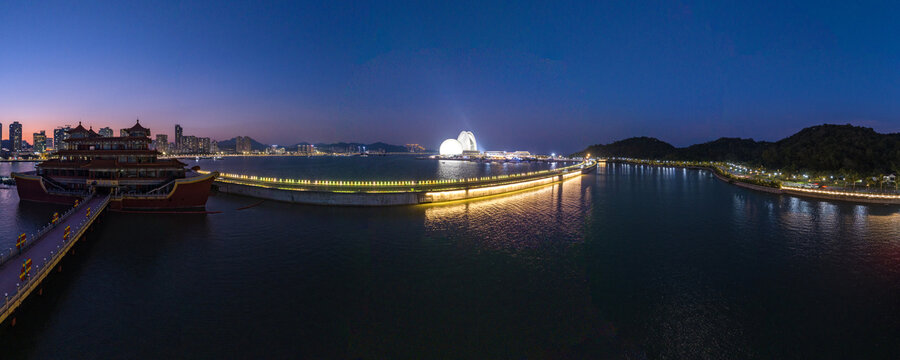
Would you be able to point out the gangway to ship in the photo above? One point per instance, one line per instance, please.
(24, 267)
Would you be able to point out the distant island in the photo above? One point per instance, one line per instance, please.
(822, 148)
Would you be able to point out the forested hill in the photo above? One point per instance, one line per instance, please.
(230, 144)
(818, 148)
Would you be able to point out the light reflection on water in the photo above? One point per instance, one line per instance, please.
(520, 220)
(634, 261)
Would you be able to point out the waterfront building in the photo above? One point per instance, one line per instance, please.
(508, 154)
(15, 136)
(467, 140)
(60, 134)
(415, 148)
(306, 148)
(162, 143)
(106, 132)
(464, 144)
(179, 132)
(189, 144)
(124, 167)
(451, 147)
(242, 145)
(39, 141)
(213, 146)
(203, 145)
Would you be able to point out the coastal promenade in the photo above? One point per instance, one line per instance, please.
(390, 193)
(822, 194)
(45, 249)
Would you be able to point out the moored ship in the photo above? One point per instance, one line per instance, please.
(124, 167)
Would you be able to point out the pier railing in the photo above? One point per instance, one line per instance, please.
(392, 185)
(44, 265)
(30, 238)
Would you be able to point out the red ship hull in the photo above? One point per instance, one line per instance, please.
(188, 193)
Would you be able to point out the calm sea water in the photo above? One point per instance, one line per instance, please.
(632, 261)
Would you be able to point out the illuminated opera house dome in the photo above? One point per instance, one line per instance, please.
(451, 147)
(463, 145)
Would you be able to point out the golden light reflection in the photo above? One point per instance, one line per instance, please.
(516, 220)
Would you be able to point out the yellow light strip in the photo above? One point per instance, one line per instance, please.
(843, 193)
(565, 171)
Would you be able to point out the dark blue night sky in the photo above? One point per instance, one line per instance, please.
(539, 76)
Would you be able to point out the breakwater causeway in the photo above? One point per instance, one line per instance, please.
(391, 193)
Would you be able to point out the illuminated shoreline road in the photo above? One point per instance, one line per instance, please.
(822, 194)
(386, 193)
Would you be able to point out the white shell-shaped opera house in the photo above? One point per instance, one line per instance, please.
(451, 147)
(463, 145)
(467, 140)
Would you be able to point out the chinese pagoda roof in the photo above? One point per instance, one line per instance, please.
(137, 127)
(78, 129)
(109, 139)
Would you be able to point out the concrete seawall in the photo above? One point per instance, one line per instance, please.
(392, 198)
(767, 189)
(322, 197)
(839, 196)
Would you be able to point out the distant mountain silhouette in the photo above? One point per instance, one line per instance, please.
(637, 147)
(845, 148)
(230, 144)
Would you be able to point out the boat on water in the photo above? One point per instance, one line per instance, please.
(124, 167)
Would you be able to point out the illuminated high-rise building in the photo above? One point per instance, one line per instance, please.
(242, 145)
(15, 136)
(106, 132)
(203, 145)
(162, 143)
(178, 133)
(39, 141)
(189, 144)
(60, 134)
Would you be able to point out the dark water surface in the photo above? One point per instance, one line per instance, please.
(632, 262)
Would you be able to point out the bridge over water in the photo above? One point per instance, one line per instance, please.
(45, 248)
